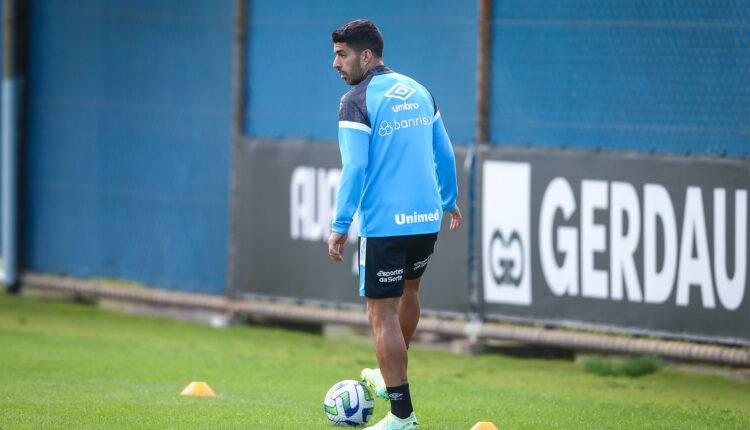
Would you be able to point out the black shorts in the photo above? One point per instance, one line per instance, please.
(384, 263)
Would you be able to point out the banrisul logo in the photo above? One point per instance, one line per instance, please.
(400, 91)
(506, 208)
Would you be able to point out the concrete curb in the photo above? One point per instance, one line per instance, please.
(473, 331)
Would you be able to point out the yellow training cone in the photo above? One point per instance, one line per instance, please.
(198, 389)
(484, 425)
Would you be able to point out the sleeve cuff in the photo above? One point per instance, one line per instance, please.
(339, 228)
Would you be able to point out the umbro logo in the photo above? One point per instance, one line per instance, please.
(400, 91)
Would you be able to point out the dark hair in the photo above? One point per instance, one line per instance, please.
(360, 34)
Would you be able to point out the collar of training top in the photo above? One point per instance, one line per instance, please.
(378, 70)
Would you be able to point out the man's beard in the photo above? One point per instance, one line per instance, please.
(360, 75)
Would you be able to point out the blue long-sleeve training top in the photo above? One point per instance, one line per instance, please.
(399, 170)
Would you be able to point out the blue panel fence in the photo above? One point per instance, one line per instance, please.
(665, 76)
(129, 135)
(129, 104)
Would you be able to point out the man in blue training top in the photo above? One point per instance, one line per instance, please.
(399, 174)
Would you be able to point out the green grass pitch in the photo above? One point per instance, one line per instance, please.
(65, 365)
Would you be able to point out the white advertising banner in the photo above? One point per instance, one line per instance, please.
(635, 242)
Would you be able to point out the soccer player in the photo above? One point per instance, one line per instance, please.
(399, 173)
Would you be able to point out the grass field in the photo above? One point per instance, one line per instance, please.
(71, 366)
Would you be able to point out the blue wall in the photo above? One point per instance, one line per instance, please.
(1, 68)
(294, 91)
(129, 135)
(1, 125)
(646, 75)
(129, 104)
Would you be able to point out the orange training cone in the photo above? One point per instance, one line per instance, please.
(198, 389)
(484, 425)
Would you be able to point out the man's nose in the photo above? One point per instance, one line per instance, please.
(336, 63)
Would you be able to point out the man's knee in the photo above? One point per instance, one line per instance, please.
(379, 310)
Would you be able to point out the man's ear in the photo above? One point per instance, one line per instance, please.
(366, 56)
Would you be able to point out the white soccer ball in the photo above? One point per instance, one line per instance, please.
(348, 403)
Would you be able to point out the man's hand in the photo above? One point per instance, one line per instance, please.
(455, 218)
(336, 243)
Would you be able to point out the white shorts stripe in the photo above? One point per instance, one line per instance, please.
(355, 125)
(362, 251)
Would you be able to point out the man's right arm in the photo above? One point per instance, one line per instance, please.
(354, 144)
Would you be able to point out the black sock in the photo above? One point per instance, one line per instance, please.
(400, 401)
